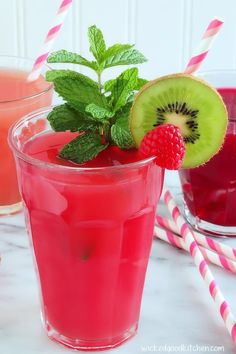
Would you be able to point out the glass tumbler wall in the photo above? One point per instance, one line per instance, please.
(18, 97)
(210, 190)
(91, 230)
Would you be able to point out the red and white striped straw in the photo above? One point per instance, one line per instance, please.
(188, 237)
(177, 241)
(50, 39)
(205, 45)
(205, 241)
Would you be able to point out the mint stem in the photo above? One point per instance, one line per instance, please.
(99, 81)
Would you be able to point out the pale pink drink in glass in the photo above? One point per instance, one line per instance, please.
(17, 98)
(91, 229)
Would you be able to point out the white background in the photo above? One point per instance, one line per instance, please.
(166, 31)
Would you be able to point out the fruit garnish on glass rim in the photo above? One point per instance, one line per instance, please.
(98, 111)
(112, 114)
(187, 102)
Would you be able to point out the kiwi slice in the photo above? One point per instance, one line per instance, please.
(187, 102)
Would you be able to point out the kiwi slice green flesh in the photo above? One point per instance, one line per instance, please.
(187, 102)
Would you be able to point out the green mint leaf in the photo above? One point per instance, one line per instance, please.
(100, 113)
(140, 83)
(127, 57)
(63, 118)
(63, 56)
(125, 83)
(77, 94)
(108, 85)
(120, 133)
(83, 148)
(97, 43)
(125, 110)
(115, 50)
(89, 125)
(52, 75)
(76, 89)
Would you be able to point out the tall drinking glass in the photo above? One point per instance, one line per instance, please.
(210, 190)
(17, 98)
(91, 231)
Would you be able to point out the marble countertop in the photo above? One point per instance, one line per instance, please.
(177, 314)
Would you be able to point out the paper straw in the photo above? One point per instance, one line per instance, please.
(177, 241)
(205, 44)
(188, 237)
(50, 39)
(205, 241)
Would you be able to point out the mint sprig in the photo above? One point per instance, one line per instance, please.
(98, 111)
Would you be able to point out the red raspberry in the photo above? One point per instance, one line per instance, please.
(166, 143)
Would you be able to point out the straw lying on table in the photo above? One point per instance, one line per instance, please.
(202, 240)
(177, 241)
(188, 237)
(50, 39)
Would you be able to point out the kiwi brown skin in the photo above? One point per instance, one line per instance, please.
(176, 75)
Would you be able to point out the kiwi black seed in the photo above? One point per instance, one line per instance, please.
(182, 110)
(187, 102)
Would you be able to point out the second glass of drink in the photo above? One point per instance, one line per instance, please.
(210, 190)
(18, 97)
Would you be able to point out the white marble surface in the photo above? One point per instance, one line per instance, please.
(176, 308)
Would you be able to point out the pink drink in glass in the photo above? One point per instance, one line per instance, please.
(17, 98)
(210, 190)
(92, 230)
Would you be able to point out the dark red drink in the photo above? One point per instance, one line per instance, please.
(210, 190)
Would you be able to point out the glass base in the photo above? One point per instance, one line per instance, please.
(90, 345)
(208, 228)
(10, 209)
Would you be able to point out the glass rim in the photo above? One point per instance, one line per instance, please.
(70, 169)
(23, 98)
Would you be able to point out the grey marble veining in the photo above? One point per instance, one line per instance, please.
(176, 309)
